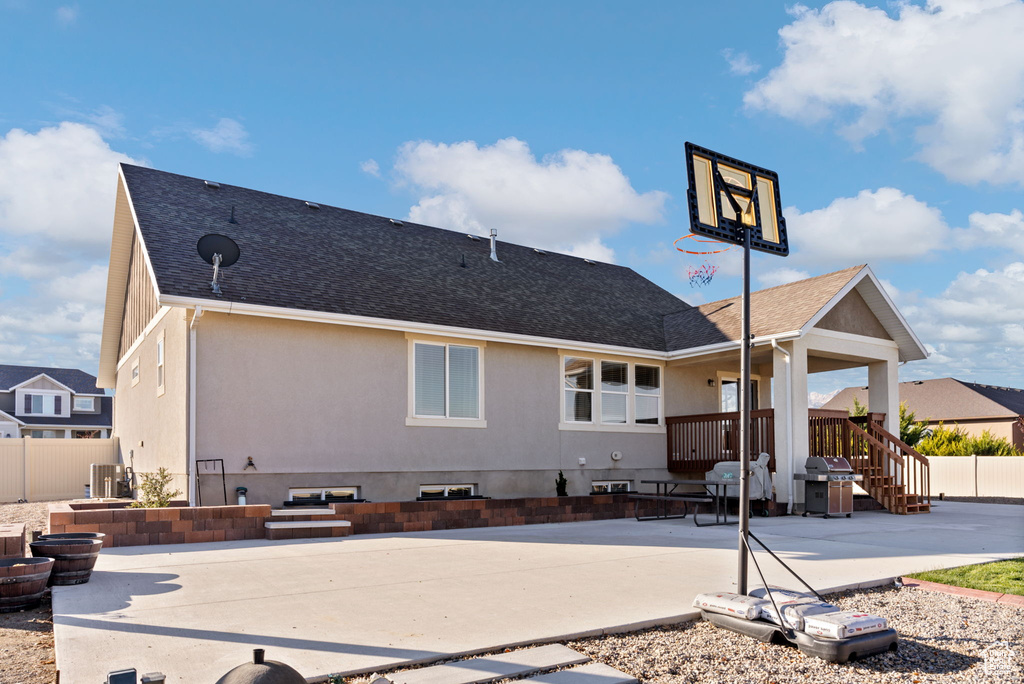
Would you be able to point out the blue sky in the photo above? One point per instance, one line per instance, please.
(897, 131)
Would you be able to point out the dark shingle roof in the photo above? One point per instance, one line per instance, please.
(773, 310)
(946, 399)
(345, 262)
(78, 381)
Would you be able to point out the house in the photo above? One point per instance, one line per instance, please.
(969, 405)
(352, 355)
(52, 403)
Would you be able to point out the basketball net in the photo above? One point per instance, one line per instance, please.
(701, 275)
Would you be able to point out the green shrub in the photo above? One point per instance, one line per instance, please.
(561, 485)
(954, 441)
(911, 432)
(153, 491)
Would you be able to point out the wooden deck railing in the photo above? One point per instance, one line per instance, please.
(696, 443)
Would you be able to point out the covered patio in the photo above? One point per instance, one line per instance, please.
(840, 321)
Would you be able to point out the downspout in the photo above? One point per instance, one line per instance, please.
(192, 405)
(789, 422)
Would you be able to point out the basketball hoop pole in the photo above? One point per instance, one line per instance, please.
(744, 393)
(744, 512)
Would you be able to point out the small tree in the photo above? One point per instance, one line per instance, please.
(858, 409)
(153, 492)
(911, 432)
(561, 485)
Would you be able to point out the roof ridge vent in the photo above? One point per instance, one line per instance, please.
(539, 251)
(396, 222)
(589, 262)
(212, 185)
(474, 238)
(312, 205)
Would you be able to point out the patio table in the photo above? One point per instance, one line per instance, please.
(665, 492)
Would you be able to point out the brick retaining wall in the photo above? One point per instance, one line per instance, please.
(12, 540)
(183, 525)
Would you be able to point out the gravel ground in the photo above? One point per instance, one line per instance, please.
(26, 638)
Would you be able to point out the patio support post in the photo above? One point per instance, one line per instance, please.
(884, 391)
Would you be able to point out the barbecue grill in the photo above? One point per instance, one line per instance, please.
(828, 485)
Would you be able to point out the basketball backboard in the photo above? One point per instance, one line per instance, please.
(755, 190)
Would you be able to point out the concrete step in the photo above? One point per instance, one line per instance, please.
(593, 673)
(301, 510)
(494, 667)
(301, 524)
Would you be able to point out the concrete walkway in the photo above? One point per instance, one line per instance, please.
(194, 611)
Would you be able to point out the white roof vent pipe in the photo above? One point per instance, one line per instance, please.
(494, 245)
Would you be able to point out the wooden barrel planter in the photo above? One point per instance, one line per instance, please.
(22, 582)
(72, 535)
(73, 558)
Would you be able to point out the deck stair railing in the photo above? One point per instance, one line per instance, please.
(895, 475)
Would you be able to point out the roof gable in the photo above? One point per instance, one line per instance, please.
(71, 379)
(338, 261)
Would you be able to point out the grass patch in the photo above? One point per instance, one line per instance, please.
(1005, 577)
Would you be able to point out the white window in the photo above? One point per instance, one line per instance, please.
(85, 404)
(135, 372)
(46, 434)
(446, 381)
(449, 490)
(160, 365)
(648, 394)
(611, 486)
(614, 391)
(316, 495)
(579, 390)
(629, 394)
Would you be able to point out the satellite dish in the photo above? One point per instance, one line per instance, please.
(220, 251)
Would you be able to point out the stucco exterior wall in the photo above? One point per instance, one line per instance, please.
(326, 405)
(853, 315)
(152, 428)
(1007, 428)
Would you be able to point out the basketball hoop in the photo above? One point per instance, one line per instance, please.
(699, 276)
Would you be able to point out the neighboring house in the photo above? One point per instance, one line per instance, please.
(357, 355)
(969, 405)
(52, 403)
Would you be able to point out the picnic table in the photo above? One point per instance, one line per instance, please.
(665, 493)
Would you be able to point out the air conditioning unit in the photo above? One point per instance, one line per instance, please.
(103, 479)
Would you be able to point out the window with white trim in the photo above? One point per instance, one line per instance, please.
(160, 365)
(446, 381)
(449, 490)
(135, 372)
(611, 486)
(629, 393)
(85, 404)
(43, 404)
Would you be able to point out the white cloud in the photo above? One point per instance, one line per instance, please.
(957, 65)
(883, 224)
(782, 276)
(67, 15)
(1005, 231)
(58, 185)
(568, 201)
(974, 327)
(227, 136)
(370, 167)
(57, 191)
(740, 63)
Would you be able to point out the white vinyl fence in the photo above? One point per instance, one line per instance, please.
(50, 469)
(977, 475)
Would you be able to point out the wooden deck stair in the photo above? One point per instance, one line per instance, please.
(895, 475)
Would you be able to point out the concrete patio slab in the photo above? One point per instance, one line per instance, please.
(365, 603)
